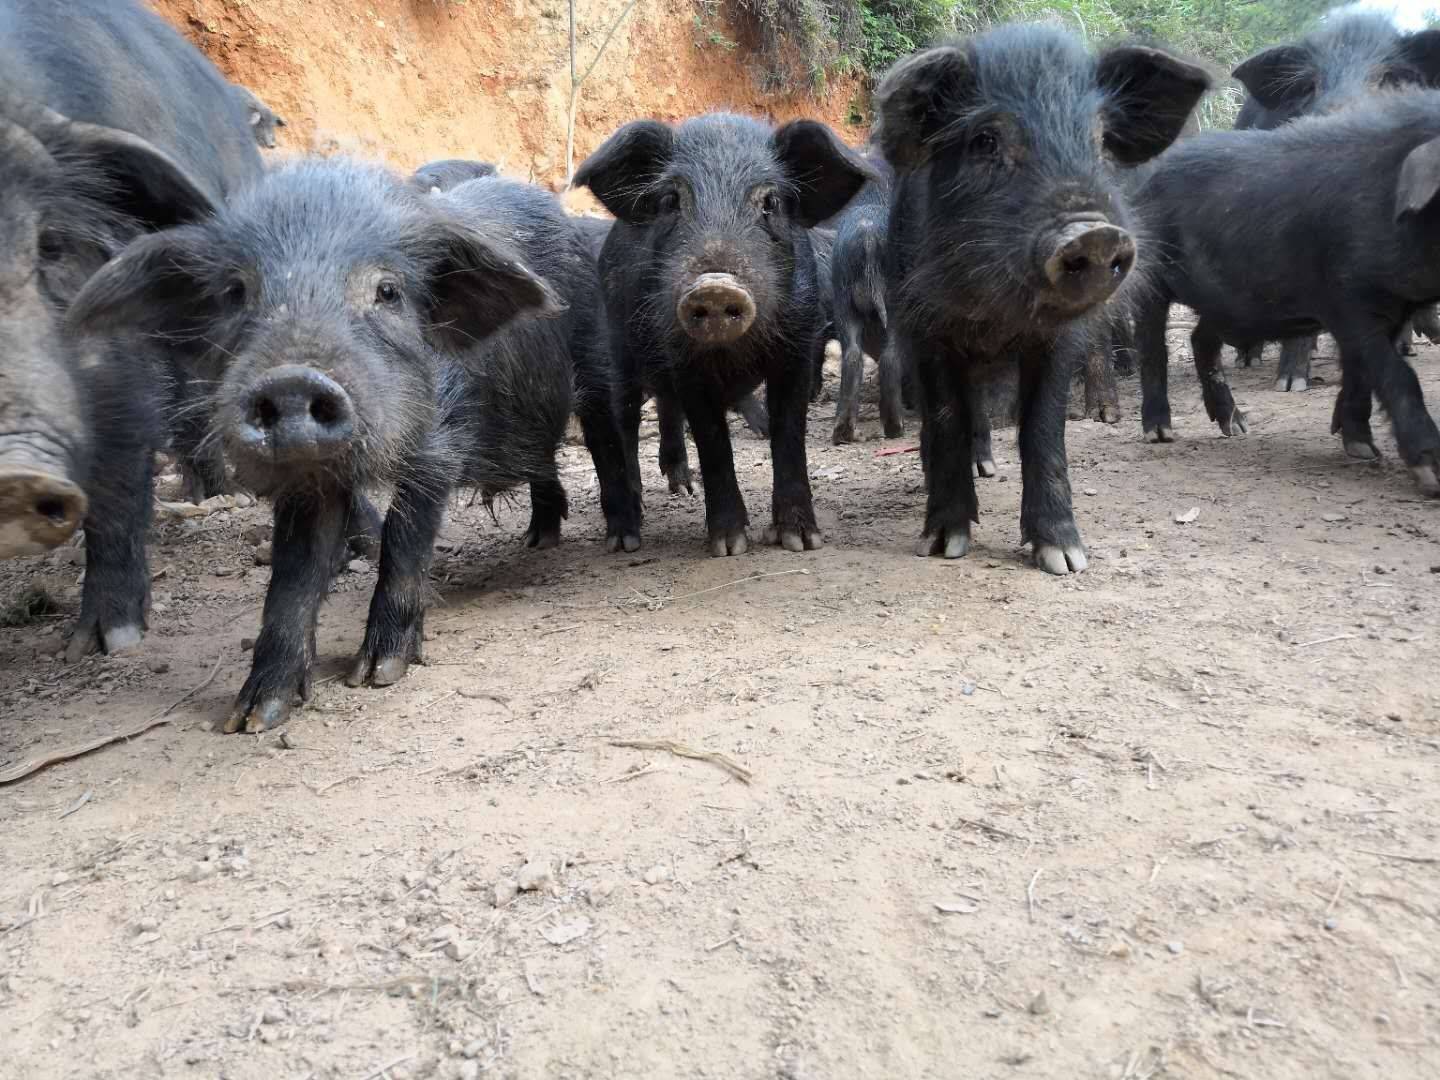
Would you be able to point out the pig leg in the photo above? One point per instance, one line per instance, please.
(1427, 322)
(309, 536)
(116, 594)
(891, 414)
(548, 507)
(982, 456)
(1405, 341)
(852, 372)
(1294, 373)
(1351, 418)
(1047, 520)
(946, 445)
(1154, 355)
(394, 632)
(756, 418)
(674, 458)
(793, 526)
(363, 525)
(1372, 355)
(725, 516)
(1102, 399)
(606, 444)
(1219, 402)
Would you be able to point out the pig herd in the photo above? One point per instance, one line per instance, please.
(1025, 209)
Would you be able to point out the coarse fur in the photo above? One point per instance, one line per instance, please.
(456, 363)
(730, 196)
(1329, 191)
(111, 125)
(444, 174)
(1006, 146)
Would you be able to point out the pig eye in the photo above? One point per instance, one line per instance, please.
(51, 245)
(770, 204)
(669, 202)
(985, 143)
(234, 293)
(387, 294)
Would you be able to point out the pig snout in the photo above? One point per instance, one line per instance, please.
(39, 510)
(716, 309)
(1084, 262)
(295, 413)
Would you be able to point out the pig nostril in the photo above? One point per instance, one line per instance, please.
(1075, 264)
(324, 411)
(734, 311)
(699, 313)
(266, 414)
(1118, 266)
(53, 509)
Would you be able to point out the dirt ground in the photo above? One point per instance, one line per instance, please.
(1177, 816)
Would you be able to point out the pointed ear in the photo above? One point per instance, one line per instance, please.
(1149, 96)
(917, 99)
(1419, 179)
(478, 285)
(625, 167)
(1421, 51)
(825, 172)
(1278, 77)
(155, 285)
(146, 182)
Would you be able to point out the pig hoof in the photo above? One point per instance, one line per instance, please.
(1427, 477)
(729, 542)
(1233, 425)
(122, 638)
(984, 468)
(1162, 433)
(795, 539)
(1054, 559)
(844, 432)
(1289, 384)
(541, 539)
(679, 477)
(894, 430)
(628, 542)
(1364, 451)
(263, 715)
(90, 638)
(951, 544)
(1109, 414)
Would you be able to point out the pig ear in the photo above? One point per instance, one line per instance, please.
(1422, 51)
(1277, 77)
(1149, 96)
(917, 99)
(622, 172)
(153, 285)
(146, 182)
(1419, 179)
(480, 284)
(825, 172)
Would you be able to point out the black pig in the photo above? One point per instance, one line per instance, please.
(1008, 232)
(711, 289)
(378, 336)
(111, 125)
(442, 175)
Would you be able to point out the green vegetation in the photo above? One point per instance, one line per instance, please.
(802, 42)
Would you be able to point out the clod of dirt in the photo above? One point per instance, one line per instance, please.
(263, 553)
(535, 875)
(247, 644)
(469, 1070)
(1175, 947)
(1039, 1004)
(389, 895)
(357, 566)
(146, 925)
(506, 889)
(412, 879)
(656, 874)
(1188, 516)
(202, 871)
(562, 933)
(459, 949)
(273, 1013)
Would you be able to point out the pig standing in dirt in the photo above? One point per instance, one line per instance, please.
(379, 336)
(711, 289)
(111, 125)
(263, 120)
(1008, 232)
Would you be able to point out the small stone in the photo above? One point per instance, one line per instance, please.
(506, 889)
(469, 1070)
(246, 644)
(562, 933)
(1091, 491)
(273, 1013)
(411, 878)
(264, 553)
(1331, 924)
(158, 667)
(448, 932)
(475, 1047)
(389, 895)
(357, 566)
(396, 926)
(1175, 947)
(599, 892)
(1334, 518)
(202, 870)
(535, 875)
(656, 874)
(459, 950)
(147, 925)
(1040, 1004)
(59, 879)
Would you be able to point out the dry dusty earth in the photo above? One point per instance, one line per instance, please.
(1177, 816)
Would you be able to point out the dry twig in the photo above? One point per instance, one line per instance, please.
(734, 768)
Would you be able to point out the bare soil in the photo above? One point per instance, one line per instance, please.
(1176, 816)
